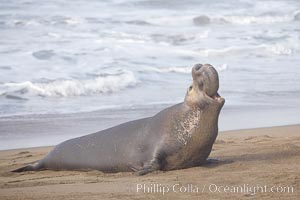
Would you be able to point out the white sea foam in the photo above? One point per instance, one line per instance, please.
(54, 35)
(268, 35)
(247, 19)
(173, 20)
(72, 20)
(256, 19)
(278, 49)
(181, 70)
(265, 49)
(18, 21)
(72, 87)
(121, 37)
(181, 38)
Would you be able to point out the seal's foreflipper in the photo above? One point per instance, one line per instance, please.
(154, 166)
(145, 171)
(31, 167)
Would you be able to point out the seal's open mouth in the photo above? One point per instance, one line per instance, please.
(216, 97)
(213, 98)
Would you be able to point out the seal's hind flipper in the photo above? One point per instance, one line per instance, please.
(31, 167)
(23, 169)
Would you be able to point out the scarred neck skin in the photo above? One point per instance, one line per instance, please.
(205, 114)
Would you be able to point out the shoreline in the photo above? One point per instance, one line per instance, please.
(52, 129)
(230, 132)
(261, 157)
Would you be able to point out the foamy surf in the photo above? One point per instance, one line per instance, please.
(180, 70)
(262, 49)
(52, 53)
(72, 87)
(247, 19)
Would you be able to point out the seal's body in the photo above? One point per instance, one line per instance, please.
(178, 137)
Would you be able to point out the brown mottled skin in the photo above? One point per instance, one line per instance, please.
(180, 136)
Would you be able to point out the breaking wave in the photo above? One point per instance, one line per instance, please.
(72, 87)
(277, 49)
(245, 20)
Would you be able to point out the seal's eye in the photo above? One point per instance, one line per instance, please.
(190, 88)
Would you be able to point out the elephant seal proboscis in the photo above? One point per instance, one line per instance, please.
(178, 137)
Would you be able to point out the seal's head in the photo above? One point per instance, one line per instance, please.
(204, 90)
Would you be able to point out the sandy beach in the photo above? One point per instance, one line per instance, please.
(258, 163)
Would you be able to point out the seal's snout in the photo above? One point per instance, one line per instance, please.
(196, 69)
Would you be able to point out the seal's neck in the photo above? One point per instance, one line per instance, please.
(187, 124)
(205, 121)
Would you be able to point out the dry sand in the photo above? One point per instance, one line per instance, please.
(264, 159)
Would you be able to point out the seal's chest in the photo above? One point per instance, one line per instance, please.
(185, 127)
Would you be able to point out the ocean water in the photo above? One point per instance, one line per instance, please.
(60, 57)
(68, 57)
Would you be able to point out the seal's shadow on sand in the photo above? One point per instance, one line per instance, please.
(286, 150)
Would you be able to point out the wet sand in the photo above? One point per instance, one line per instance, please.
(252, 164)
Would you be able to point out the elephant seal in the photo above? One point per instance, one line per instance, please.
(178, 137)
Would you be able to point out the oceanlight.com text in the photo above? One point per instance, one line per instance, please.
(212, 188)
